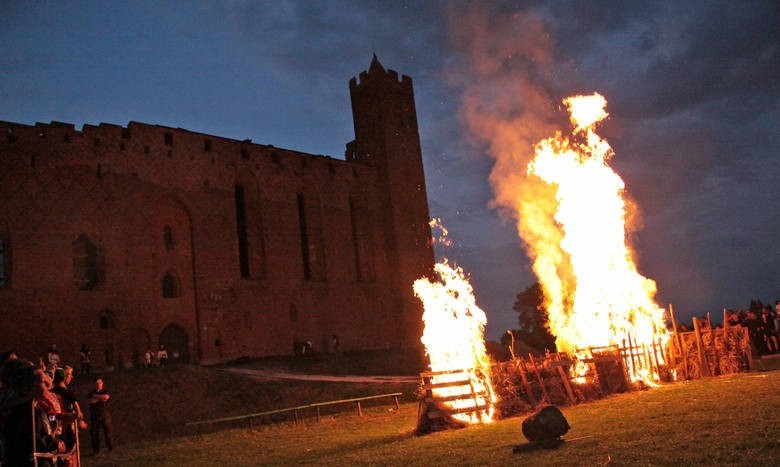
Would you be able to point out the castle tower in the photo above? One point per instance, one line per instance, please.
(386, 137)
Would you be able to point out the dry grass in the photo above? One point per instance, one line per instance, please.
(727, 420)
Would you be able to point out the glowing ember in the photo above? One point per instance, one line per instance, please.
(576, 236)
(439, 232)
(453, 338)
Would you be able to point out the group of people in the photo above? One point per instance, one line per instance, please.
(763, 323)
(40, 414)
(159, 358)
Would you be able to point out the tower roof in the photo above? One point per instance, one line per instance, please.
(375, 66)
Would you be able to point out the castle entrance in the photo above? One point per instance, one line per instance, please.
(176, 341)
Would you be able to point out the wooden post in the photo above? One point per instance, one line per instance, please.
(714, 345)
(531, 396)
(512, 345)
(631, 352)
(360, 411)
(397, 407)
(567, 385)
(705, 368)
(680, 341)
(655, 354)
(474, 396)
(539, 378)
(318, 413)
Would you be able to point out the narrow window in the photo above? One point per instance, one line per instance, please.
(168, 238)
(243, 246)
(125, 133)
(304, 237)
(106, 319)
(170, 286)
(361, 242)
(5, 263)
(207, 145)
(85, 263)
(169, 138)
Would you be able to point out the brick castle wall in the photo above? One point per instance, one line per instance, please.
(256, 247)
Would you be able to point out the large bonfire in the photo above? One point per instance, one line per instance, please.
(576, 237)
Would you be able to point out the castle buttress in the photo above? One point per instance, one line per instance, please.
(125, 237)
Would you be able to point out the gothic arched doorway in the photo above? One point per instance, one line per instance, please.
(176, 341)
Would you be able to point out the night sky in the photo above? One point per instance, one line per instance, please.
(693, 90)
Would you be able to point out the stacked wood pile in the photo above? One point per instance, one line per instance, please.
(525, 383)
(709, 352)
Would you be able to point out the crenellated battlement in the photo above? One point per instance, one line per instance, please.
(376, 73)
(132, 148)
(391, 75)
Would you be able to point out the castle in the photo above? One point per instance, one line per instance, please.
(125, 237)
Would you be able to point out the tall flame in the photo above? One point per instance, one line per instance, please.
(576, 237)
(453, 338)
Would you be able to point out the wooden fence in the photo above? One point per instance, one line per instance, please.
(297, 412)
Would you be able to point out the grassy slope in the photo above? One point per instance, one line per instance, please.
(728, 420)
(156, 403)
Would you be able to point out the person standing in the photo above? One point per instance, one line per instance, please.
(162, 356)
(69, 404)
(100, 417)
(52, 361)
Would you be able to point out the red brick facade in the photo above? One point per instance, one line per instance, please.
(121, 238)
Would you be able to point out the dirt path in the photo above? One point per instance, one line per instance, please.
(266, 375)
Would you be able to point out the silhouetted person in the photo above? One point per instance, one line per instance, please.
(18, 429)
(756, 333)
(162, 355)
(99, 416)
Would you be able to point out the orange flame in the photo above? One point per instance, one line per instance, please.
(453, 338)
(576, 237)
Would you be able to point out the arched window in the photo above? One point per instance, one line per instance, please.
(85, 263)
(168, 238)
(170, 286)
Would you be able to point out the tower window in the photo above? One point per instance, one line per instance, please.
(85, 263)
(5, 263)
(170, 286)
(168, 240)
(207, 145)
(169, 138)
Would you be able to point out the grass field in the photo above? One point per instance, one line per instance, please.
(718, 421)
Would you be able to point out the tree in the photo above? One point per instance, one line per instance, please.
(532, 317)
